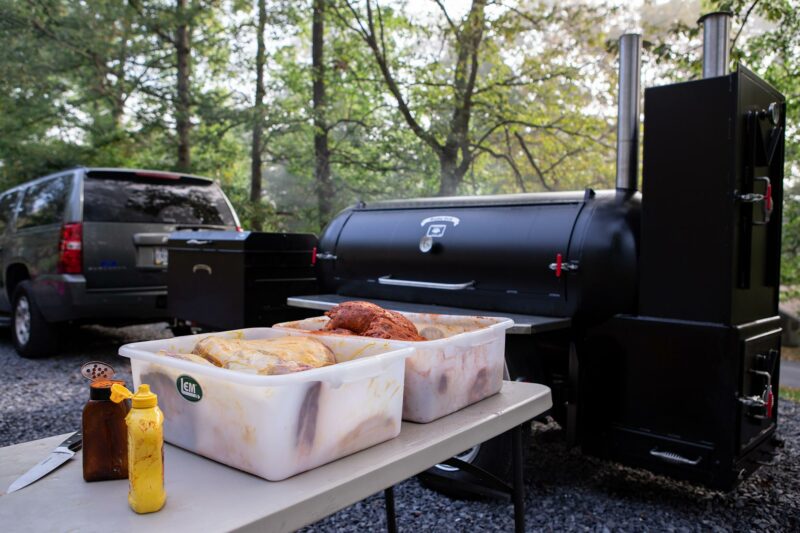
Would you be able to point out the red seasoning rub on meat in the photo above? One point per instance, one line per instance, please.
(370, 320)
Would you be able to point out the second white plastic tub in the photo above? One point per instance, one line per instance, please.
(275, 426)
(461, 364)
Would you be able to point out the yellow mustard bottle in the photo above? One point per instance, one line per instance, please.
(145, 449)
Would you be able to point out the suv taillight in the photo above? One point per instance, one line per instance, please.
(70, 255)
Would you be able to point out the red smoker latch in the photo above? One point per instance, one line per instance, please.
(561, 266)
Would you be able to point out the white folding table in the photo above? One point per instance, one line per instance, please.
(203, 495)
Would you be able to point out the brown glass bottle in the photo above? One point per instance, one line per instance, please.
(105, 435)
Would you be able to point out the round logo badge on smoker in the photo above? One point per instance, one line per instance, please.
(189, 388)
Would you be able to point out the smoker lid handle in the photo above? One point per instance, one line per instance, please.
(389, 280)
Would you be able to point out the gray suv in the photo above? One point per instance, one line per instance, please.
(88, 245)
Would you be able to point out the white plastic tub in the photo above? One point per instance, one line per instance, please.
(275, 426)
(462, 367)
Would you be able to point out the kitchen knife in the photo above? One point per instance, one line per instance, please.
(57, 457)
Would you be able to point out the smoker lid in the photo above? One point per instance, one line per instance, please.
(491, 200)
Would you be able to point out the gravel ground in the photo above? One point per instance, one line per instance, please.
(565, 491)
(45, 397)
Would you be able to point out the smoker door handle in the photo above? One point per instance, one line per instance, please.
(764, 199)
(389, 280)
(672, 457)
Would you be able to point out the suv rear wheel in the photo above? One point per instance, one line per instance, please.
(33, 336)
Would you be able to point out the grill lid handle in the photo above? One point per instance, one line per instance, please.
(389, 280)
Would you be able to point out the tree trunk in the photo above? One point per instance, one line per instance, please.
(467, 38)
(258, 121)
(458, 138)
(322, 169)
(121, 87)
(182, 107)
(451, 175)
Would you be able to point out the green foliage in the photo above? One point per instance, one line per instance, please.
(106, 97)
(542, 74)
(790, 393)
(94, 83)
(790, 264)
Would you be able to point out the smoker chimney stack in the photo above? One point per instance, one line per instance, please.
(716, 46)
(630, 55)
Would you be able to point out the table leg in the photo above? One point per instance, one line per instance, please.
(519, 485)
(391, 520)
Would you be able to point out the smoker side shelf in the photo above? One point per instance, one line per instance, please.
(523, 324)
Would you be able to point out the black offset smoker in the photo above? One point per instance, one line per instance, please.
(652, 317)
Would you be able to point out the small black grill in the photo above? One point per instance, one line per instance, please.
(229, 280)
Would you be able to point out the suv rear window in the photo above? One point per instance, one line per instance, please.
(44, 202)
(184, 201)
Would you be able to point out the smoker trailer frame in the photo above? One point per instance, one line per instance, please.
(659, 333)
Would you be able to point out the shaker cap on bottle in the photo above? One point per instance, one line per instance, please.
(100, 389)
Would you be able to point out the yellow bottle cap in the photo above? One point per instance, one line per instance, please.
(144, 398)
(119, 392)
(141, 400)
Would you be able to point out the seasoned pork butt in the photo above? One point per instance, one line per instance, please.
(265, 356)
(370, 320)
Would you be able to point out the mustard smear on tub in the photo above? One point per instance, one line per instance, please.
(145, 449)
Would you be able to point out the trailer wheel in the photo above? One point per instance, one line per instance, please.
(494, 456)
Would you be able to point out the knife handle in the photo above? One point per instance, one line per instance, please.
(74, 443)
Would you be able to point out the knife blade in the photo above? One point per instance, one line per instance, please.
(63, 453)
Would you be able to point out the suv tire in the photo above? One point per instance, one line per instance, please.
(32, 335)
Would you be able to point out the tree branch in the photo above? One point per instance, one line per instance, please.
(447, 17)
(509, 160)
(155, 28)
(531, 160)
(564, 157)
(371, 39)
(551, 126)
(744, 22)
